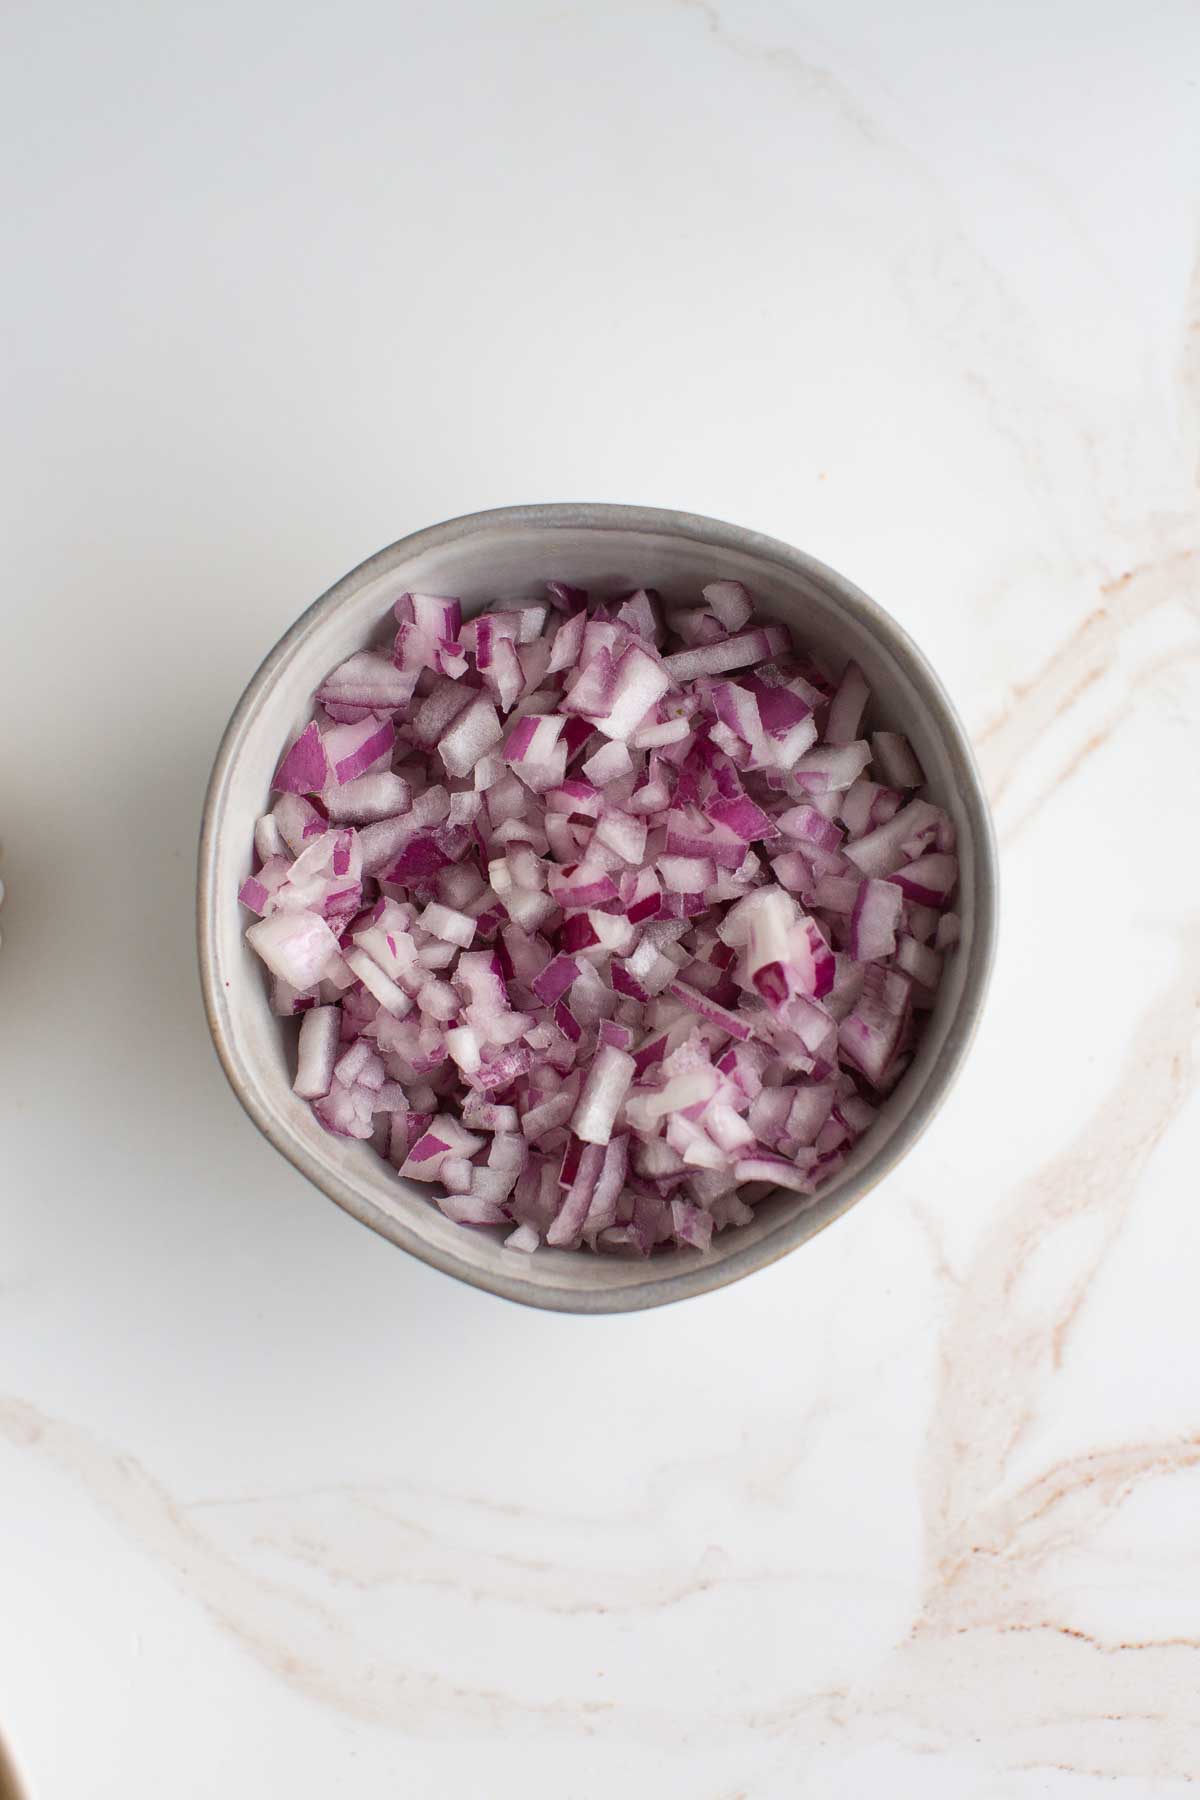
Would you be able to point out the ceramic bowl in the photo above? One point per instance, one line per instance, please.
(504, 555)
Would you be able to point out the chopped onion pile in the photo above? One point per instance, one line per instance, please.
(606, 921)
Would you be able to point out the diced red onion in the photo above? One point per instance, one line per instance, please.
(806, 825)
(554, 893)
(930, 880)
(730, 602)
(847, 707)
(316, 1052)
(949, 930)
(870, 1035)
(305, 769)
(780, 1171)
(368, 799)
(296, 946)
(865, 804)
(737, 1026)
(893, 757)
(552, 982)
(608, 1081)
(379, 985)
(639, 681)
(577, 1201)
(873, 921)
(741, 651)
(354, 750)
(831, 766)
(525, 1238)
(369, 681)
(919, 961)
(890, 846)
(473, 733)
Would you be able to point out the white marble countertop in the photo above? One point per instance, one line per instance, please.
(913, 1512)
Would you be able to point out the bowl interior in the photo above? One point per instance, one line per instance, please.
(507, 556)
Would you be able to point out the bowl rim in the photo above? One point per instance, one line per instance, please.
(685, 1280)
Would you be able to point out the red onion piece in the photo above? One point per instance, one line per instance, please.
(893, 757)
(296, 946)
(847, 706)
(304, 770)
(316, 1053)
(741, 651)
(873, 922)
(949, 930)
(369, 681)
(730, 602)
(367, 799)
(930, 880)
(354, 750)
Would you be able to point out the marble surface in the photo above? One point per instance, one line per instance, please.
(913, 1512)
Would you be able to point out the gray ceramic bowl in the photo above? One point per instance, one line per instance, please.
(607, 549)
